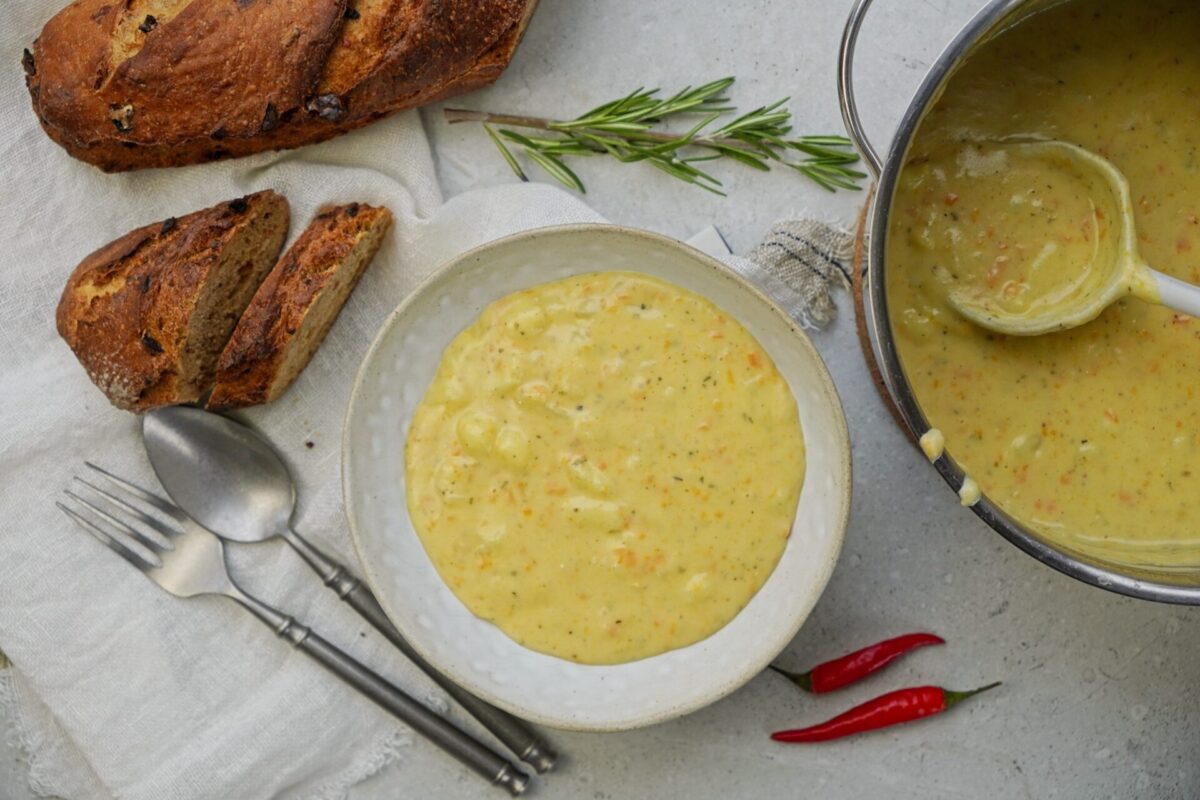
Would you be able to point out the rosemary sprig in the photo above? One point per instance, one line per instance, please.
(628, 130)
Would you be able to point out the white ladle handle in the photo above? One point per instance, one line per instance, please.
(1176, 294)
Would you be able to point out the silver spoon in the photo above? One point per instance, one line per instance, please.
(228, 478)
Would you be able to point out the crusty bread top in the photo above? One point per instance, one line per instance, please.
(139, 83)
(126, 308)
(148, 71)
(249, 369)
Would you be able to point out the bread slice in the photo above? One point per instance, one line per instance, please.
(148, 314)
(296, 305)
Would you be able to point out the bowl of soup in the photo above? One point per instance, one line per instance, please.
(594, 476)
(1080, 446)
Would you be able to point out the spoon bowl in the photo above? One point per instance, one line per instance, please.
(1115, 268)
(222, 473)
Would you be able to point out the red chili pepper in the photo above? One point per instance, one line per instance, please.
(857, 665)
(893, 708)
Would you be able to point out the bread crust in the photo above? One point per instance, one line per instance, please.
(250, 369)
(126, 308)
(227, 78)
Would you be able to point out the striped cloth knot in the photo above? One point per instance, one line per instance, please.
(799, 263)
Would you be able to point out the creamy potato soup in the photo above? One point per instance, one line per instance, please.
(606, 467)
(1089, 436)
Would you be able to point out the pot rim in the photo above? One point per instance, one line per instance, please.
(1076, 566)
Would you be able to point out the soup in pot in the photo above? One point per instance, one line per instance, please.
(1091, 436)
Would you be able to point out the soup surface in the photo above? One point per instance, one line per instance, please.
(606, 467)
(1089, 435)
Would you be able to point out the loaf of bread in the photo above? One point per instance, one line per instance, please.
(296, 305)
(148, 314)
(158, 83)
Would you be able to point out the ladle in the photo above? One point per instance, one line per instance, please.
(1117, 269)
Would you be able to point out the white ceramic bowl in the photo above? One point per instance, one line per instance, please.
(548, 690)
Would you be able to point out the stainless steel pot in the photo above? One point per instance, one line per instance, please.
(1164, 585)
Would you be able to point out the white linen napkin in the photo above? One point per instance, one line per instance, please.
(117, 689)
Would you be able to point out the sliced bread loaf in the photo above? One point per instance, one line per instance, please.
(295, 306)
(148, 314)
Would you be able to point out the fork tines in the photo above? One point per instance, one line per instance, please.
(118, 518)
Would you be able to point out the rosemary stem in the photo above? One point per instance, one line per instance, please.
(633, 129)
(454, 115)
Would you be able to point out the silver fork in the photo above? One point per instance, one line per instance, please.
(188, 560)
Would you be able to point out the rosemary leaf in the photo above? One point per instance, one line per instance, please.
(821, 150)
(557, 169)
(504, 151)
(679, 170)
(613, 126)
(760, 118)
(831, 141)
(747, 157)
(699, 126)
(827, 176)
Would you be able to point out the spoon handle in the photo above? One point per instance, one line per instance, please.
(1176, 294)
(515, 734)
(471, 753)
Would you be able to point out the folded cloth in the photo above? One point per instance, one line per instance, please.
(117, 689)
(799, 263)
